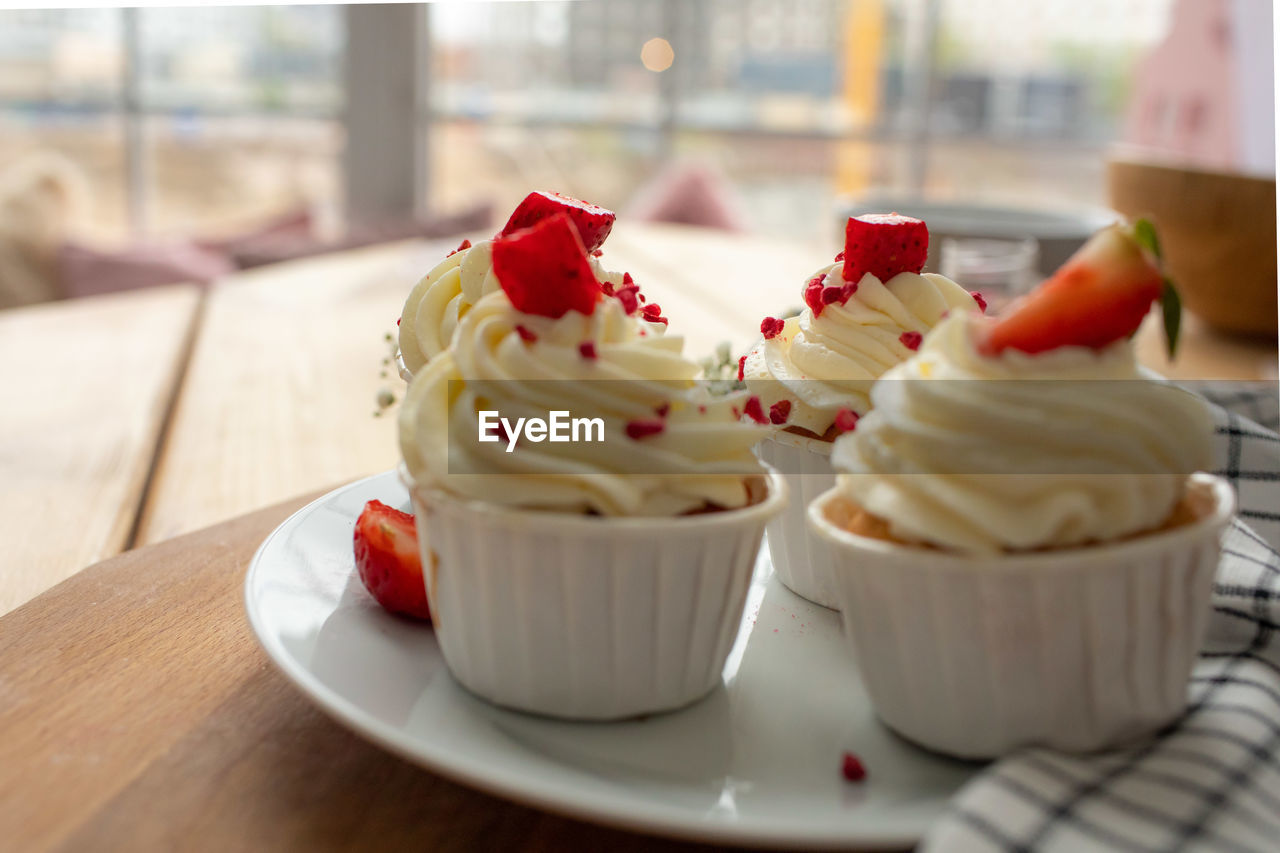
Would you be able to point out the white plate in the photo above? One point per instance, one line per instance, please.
(757, 762)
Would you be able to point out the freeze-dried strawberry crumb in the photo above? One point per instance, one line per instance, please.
(627, 280)
(607, 288)
(597, 253)
(742, 366)
(846, 420)
(525, 334)
(771, 327)
(640, 296)
(779, 412)
(637, 430)
(465, 244)
(587, 349)
(840, 255)
(627, 296)
(813, 295)
(851, 767)
(663, 409)
(911, 340)
(977, 297)
(753, 410)
(398, 319)
(653, 313)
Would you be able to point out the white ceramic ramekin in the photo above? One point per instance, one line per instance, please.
(583, 617)
(1078, 649)
(800, 563)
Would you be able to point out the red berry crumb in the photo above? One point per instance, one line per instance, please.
(851, 767)
(753, 410)
(813, 295)
(846, 420)
(587, 349)
(653, 313)
(911, 340)
(742, 364)
(780, 411)
(627, 296)
(977, 297)
(637, 430)
(832, 294)
(465, 244)
(771, 327)
(597, 253)
(840, 256)
(525, 334)
(398, 319)
(663, 409)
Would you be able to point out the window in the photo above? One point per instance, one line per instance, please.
(214, 117)
(236, 106)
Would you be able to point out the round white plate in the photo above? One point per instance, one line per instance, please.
(757, 762)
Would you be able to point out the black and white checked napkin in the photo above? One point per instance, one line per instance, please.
(1211, 781)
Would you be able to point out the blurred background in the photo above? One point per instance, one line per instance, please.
(207, 139)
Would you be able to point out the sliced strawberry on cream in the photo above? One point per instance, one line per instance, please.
(884, 244)
(592, 221)
(1099, 296)
(544, 269)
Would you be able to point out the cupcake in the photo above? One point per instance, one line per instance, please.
(592, 579)
(445, 294)
(813, 372)
(1021, 543)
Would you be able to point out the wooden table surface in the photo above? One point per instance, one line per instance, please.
(135, 709)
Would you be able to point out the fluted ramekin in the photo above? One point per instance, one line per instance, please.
(803, 566)
(583, 617)
(1078, 649)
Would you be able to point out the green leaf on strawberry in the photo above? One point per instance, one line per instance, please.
(1144, 234)
(1171, 309)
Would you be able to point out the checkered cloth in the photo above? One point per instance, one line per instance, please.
(1211, 781)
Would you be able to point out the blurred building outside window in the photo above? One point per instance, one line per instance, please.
(797, 103)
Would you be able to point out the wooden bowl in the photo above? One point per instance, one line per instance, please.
(1218, 235)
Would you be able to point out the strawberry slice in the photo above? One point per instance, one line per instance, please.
(1097, 297)
(592, 221)
(544, 269)
(388, 561)
(883, 244)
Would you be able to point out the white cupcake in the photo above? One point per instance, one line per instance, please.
(1022, 548)
(589, 580)
(813, 375)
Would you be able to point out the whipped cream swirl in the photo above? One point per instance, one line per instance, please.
(701, 457)
(1016, 458)
(444, 295)
(826, 363)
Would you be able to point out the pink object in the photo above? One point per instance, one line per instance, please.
(1204, 95)
(688, 194)
(86, 271)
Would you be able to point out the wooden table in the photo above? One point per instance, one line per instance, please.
(135, 709)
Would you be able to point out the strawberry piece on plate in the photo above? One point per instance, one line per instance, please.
(388, 561)
(1097, 297)
(884, 244)
(544, 269)
(592, 221)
